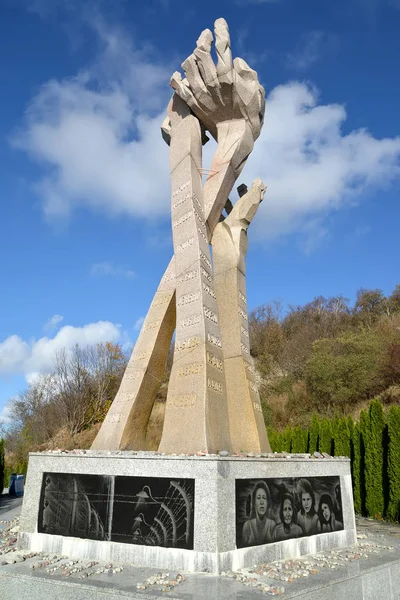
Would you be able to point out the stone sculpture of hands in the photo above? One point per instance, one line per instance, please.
(229, 102)
(226, 92)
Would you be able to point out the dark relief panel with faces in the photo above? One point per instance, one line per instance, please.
(150, 511)
(273, 510)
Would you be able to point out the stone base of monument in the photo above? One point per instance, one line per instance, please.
(190, 513)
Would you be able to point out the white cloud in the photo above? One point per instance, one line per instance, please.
(101, 147)
(5, 413)
(13, 353)
(109, 268)
(53, 322)
(310, 166)
(97, 134)
(37, 356)
(310, 48)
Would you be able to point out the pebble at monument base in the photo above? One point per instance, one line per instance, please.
(213, 497)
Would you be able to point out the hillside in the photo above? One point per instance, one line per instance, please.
(327, 358)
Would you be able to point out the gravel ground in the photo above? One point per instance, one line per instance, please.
(270, 579)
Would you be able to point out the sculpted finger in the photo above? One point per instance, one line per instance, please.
(259, 187)
(193, 76)
(184, 91)
(223, 49)
(205, 62)
(244, 71)
(182, 88)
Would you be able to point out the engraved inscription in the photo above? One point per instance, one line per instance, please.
(205, 260)
(188, 276)
(257, 407)
(132, 374)
(183, 401)
(181, 188)
(242, 313)
(244, 331)
(214, 361)
(168, 277)
(185, 245)
(182, 219)
(214, 340)
(195, 198)
(242, 297)
(192, 320)
(180, 201)
(199, 218)
(216, 386)
(188, 298)
(253, 386)
(207, 289)
(153, 325)
(123, 396)
(191, 342)
(139, 356)
(192, 369)
(203, 235)
(206, 274)
(210, 315)
(114, 418)
(160, 300)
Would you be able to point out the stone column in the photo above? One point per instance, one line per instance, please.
(229, 243)
(196, 416)
(126, 422)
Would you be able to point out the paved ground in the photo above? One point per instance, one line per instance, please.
(10, 508)
(30, 576)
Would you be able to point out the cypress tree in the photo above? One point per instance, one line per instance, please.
(273, 438)
(393, 510)
(299, 440)
(325, 436)
(342, 438)
(350, 426)
(286, 443)
(372, 431)
(1, 465)
(314, 434)
(357, 473)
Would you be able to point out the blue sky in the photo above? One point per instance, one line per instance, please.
(85, 232)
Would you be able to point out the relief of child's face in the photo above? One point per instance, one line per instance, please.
(326, 512)
(261, 502)
(287, 511)
(306, 501)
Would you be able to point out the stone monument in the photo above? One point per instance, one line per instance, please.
(213, 402)
(213, 497)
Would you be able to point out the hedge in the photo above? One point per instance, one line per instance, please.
(373, 446)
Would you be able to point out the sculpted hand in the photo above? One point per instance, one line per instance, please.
(226, 92)
(229, 102)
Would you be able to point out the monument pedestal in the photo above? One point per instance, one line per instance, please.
(184, 513)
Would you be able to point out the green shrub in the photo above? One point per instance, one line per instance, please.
(393, 510)
(286, 439)
(314, 435)
(358, 471)
(273, 437)
(372, 429)
(325, 436)
(2, 465)
(299, 440)
(341, 438)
